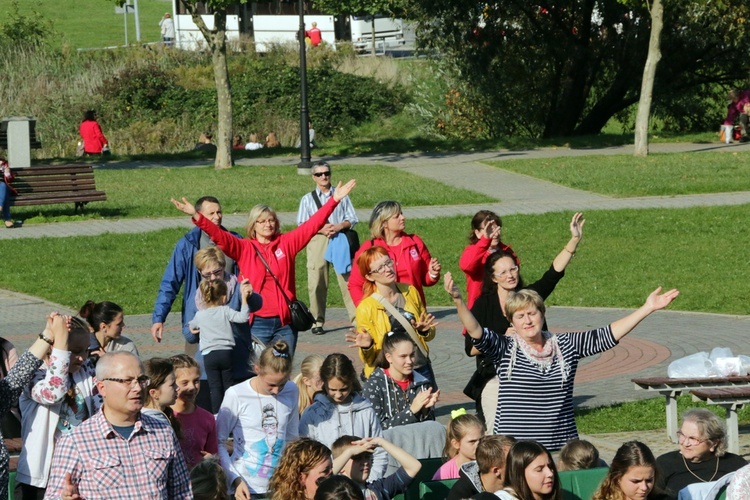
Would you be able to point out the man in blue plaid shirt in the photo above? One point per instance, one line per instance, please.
(118, 452)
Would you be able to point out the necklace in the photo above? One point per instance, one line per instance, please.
(716, 471)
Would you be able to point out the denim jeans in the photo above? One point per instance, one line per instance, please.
(268, 330)
(5, 195)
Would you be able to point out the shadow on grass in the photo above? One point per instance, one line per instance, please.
(63, 214)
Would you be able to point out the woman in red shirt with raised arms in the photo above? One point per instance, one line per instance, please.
(264, 238)
(412, 261)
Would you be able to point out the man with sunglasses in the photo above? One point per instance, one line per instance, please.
(343, 218)
(119, 452)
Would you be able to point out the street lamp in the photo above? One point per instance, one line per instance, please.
(303, 168)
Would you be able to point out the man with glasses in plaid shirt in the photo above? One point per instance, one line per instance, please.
(119, 452)
(343, 218)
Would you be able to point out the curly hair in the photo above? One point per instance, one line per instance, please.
(299, 457)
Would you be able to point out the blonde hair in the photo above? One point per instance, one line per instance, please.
(456, 430)
(255, 213)
(308, 369)
(276, 358)
(578, 454)
(380, 214)
(521, 300)
(209, 255)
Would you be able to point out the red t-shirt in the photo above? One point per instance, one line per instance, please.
(198, 434)
(403, 384)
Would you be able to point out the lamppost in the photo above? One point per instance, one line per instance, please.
(303, 168)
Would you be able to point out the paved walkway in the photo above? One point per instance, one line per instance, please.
(602, 380)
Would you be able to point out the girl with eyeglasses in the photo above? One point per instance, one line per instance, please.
(265, 245)
(412, 262)
(389, 306)
(61, 395)
(502, 278)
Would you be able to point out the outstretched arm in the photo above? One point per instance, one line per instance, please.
(469, 321)
(576, 233)
(654, 302)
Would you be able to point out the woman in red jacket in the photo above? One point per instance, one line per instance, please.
(91, 133)
(484, 239)
(411, 259)
(264, 238)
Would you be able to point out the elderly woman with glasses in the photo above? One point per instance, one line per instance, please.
(536, 368)
(412, 261)
(389, 306)
(501, 278)
(265, 245)
(702, 456)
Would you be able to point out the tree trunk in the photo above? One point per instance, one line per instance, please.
(217, 43)
(647, 84)
(373, 34)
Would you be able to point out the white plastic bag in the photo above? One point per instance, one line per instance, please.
(696, 365)
(729, 367)
(720, 352)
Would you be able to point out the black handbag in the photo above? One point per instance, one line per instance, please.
(302, 318)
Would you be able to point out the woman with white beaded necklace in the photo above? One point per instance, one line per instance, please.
(702, 456)
(263, 416)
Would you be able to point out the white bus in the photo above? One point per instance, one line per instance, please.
(277, 22)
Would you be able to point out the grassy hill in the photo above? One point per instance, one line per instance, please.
(85, 24)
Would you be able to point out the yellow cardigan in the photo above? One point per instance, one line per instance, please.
(372, 317)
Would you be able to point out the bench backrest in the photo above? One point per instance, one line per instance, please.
(581, 484)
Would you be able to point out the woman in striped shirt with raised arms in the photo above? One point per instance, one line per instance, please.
(536, 368)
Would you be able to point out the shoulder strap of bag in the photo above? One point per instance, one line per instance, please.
(401, 319)
(288, 301)
(315, 197)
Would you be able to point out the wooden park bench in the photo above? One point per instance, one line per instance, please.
(731, 399)
(56, 184)
(670, 388)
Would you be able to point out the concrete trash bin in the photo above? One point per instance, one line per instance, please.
(18, 137)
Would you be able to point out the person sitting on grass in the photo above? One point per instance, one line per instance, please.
(352, 457)
(487, 472)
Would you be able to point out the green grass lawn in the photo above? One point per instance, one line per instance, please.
(145, 193)
(655, 175)
(624, 255)
(84, 24)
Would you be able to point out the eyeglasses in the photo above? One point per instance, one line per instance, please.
(503, 274)
(266, 221)
(321, 174)
(388, 264)
(143, 381)
(213, 274)
(689, 440)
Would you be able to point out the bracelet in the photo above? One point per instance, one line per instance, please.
(434, 276)
(42, 337)
(566, 249)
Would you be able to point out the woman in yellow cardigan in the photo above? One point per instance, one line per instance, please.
(388, 306)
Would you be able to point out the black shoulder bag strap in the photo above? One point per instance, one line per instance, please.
(288, 301)
(315, 197)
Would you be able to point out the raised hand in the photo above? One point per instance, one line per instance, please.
(576, 225)
(246, 288)
(492, 230)
(362, 339)
(451, 287)
(426, 321)
(342, 192)
(657, 301)
(184, 206)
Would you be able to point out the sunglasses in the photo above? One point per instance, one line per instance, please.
(321, 174)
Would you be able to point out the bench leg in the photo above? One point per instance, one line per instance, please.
(80, 204)
(672, 427)
(733, 431)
